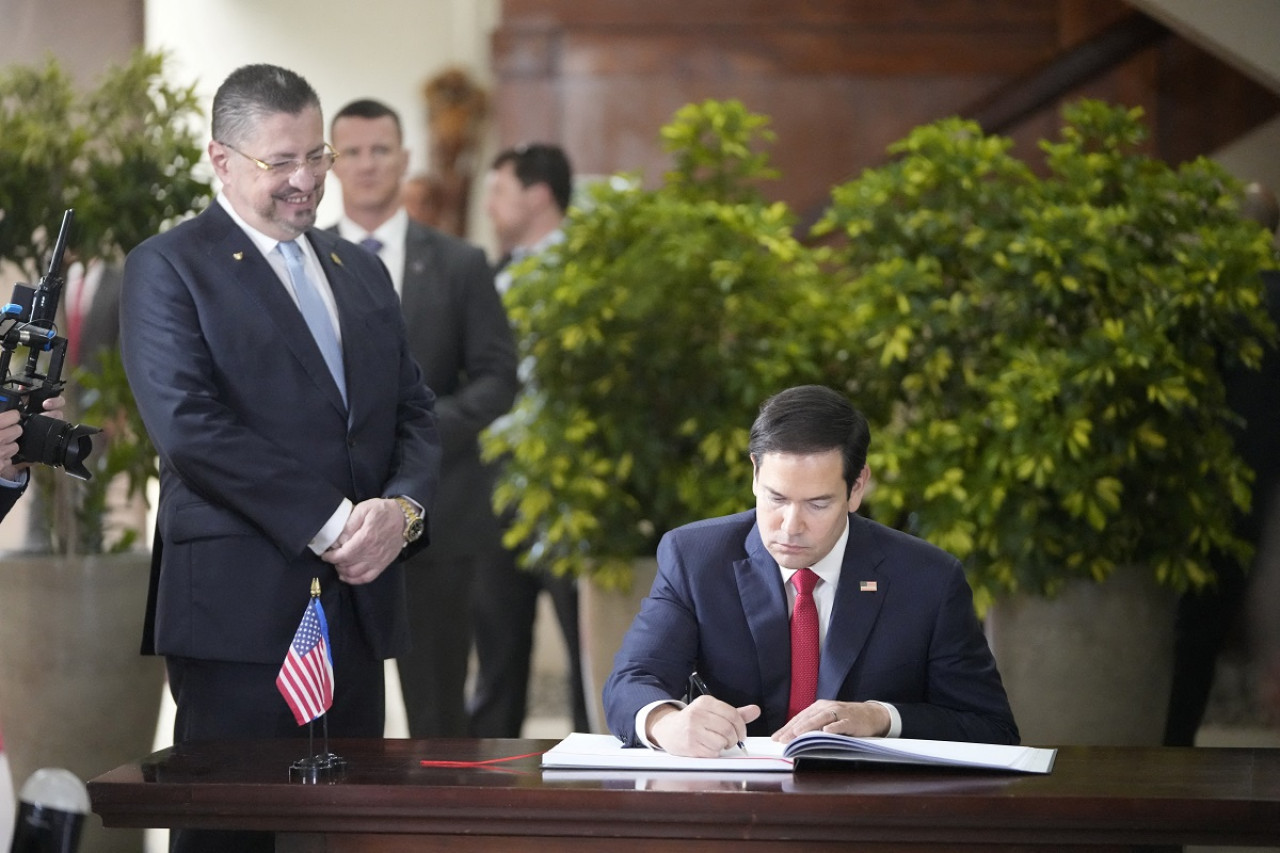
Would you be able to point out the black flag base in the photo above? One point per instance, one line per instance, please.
(326, 769)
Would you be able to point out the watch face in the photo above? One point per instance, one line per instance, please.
(414, 530)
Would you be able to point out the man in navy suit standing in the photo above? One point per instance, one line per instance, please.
(897, 643)
(296, 437)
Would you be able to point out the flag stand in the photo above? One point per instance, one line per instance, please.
(306, 682)
(321, 768)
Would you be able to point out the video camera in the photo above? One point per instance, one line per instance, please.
(30, 321)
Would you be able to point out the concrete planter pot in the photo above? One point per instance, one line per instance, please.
(74, 690)
(604, 615)
(1092, 666)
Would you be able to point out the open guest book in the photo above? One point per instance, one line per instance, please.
(592, 752)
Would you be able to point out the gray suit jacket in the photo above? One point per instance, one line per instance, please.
(460, 337)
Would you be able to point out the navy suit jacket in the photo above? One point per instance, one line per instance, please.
(908, 636)
(256, 447)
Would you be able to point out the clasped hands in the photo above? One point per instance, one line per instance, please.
(706, 726)
(370, 540)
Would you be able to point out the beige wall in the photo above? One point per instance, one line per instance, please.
(85, 35)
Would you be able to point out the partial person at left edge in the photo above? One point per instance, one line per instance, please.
(296, 437)
(15, 476)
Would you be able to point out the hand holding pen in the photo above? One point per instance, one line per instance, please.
(703, 728)
(698, 687)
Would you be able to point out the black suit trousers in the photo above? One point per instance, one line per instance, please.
(505, 607)
(433, 675)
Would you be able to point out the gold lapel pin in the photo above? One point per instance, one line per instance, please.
(239, 256)
(334, 257)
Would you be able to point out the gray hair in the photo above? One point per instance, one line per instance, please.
(254, 92)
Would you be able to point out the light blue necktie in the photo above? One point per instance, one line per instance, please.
(315, 313)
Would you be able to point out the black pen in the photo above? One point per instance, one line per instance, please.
(701, 687)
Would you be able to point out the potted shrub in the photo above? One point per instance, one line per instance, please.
(123, 156)
(649, 338)
(1042, 367)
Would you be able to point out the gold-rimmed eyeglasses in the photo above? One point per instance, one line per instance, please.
(317, 164)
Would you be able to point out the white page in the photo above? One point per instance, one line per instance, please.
(581, 750)
(1025, 759)
(598, 751)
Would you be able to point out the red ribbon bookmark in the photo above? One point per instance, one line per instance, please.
(428, 763)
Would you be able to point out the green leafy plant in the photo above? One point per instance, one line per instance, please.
(123, 155)
(1043, 355)
(649, 337)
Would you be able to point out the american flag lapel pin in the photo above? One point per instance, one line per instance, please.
(866, 586)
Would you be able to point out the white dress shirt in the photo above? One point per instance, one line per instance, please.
(391, 234)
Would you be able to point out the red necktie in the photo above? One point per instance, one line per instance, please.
(804, 644)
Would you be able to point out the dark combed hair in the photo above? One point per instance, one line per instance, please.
(251, 93)
(541, 163)
(367, 108)
(812, 419)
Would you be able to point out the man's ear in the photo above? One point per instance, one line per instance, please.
(859, 490)
(542, 194)
(218, 157)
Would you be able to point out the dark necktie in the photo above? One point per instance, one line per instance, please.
(373, 244)
(315, 313)
(804, 644)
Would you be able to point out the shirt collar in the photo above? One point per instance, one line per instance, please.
(827, 568)
(551, 239)
(265, 243)
(389, 233)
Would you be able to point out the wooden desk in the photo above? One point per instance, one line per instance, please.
(1102, 796)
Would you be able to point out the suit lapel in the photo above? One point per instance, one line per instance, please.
(346, 294)
(855, 609)
(765, 604)
(238, 256)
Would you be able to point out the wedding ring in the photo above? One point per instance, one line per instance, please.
(835, 718)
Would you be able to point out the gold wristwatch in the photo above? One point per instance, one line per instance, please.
(413, 525)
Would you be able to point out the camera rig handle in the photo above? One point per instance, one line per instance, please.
(33, 324)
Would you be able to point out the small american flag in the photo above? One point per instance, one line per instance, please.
(306, 678)
(867, 586)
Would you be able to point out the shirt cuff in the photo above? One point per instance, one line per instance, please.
(642, 718)
(332, 529)
(19, 483)
(895, 719)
